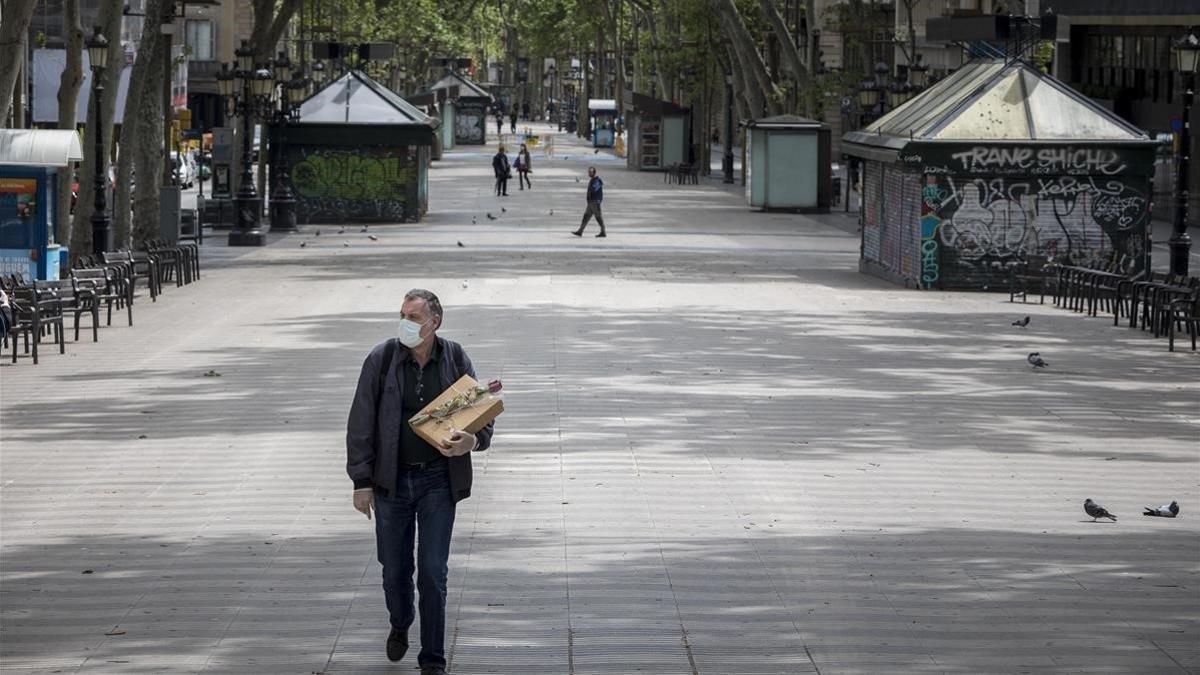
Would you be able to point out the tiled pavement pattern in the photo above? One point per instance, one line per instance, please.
(725, 451)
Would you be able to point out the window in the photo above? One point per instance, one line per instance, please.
(200, 39)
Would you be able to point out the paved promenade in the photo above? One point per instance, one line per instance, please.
(725, 451)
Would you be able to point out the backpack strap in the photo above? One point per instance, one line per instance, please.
(388, 354)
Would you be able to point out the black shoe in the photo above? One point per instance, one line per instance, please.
(601, 235)
(433, 670)
(397, 644)
(577, 233)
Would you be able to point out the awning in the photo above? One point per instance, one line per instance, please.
(39, 147)
(602, 104)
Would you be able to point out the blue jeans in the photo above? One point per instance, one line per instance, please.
(422, 506)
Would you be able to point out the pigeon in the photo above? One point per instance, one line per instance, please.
(372, 237)
(1165, 511)
(303, 244)
(576, 179)
(1096, 511)
(1036, 361)
(342, 230)
(318, 233)
(490, 216)
(596, 152)
(464, 283)
(1021, 322)
(460, 245)
(472, 220)
(346, 244)
(364, 229)
(551, 211)
(503, 210)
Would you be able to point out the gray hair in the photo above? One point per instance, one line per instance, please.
(431, 300)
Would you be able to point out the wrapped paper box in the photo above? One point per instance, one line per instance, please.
(466, 406)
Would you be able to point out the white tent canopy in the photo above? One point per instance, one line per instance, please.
(39, 147)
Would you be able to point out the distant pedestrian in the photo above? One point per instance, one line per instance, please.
(503, 172)
(499, 123)
(525, 110)
(523, 165)
(512, 119)
(595, 195)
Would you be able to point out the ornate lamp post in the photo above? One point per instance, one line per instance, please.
(246, 93)
(918, 75)
(898, 94)
(868, 98)
(283, 202)
(1187, 51)
(97, 47)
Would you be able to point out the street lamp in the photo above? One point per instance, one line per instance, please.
(727, 156)
(898, 94)
(318, 73)
(1187, 51)
(918, 74)
(283, 202)
(246, 93)
(97, 47)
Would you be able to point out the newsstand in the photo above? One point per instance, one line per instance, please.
(360, 153)
(991, 166)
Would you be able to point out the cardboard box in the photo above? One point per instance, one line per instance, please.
(472, 412)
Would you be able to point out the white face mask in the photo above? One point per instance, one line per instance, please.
(410, 333)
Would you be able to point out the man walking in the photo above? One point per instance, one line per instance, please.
(503, 171)
(412, 486)
(595, 195)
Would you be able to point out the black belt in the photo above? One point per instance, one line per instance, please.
(421, 466)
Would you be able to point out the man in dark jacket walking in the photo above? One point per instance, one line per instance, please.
(412, 486)
(503, 170)
(595, 195)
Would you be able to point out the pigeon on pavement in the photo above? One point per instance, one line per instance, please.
(1021, 322)
(576, 179)
(473, 220)
(364, 229)
(346, 244)
(503, 210)
(490, 216)
(1096, 511)
(303, 244)
(1036, 361)
(318, 233)
(551, 211)
(372, 237)
(342, 230)
(1165, 511)
(460, 245)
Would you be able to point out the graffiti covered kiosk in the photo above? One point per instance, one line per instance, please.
(958, 192)
(358, 154)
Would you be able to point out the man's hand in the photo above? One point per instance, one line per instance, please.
(362, 500)
(458, 443)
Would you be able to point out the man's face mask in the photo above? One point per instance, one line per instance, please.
(410, 333)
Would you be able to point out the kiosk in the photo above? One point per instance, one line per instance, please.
(658, 133)
(465, 118)
(994, 165)
(787, 164)
(29, 163)
(604, 121)
(360, 153)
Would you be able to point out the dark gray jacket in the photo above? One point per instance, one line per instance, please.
(373, 440)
